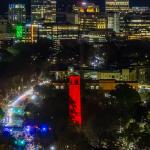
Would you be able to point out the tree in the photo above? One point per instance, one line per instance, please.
(109, 118)
(126, 96)
(1, 113)
(126, 53)
(23, 61)
(75, 53)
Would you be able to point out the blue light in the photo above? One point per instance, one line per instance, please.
(44, 128)
(8, 129)
(31, 130)
(27, 129)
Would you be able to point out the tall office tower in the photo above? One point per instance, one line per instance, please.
(85, 7)
(116, 6)
(89, 15)
(5, 36)
(16, 13)
(137, 24)
(114, 22)
(43, 11)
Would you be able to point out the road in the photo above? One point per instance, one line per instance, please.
(14, 112)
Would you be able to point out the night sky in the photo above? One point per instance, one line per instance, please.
(4, 3)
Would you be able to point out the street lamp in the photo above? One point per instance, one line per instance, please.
(52, 147)
(33, 97)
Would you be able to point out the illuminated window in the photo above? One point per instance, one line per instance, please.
(62, 87)
(57, 87)
(92, 87)
(97, 87)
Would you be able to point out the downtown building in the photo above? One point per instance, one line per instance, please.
(116, 6)
(137, 24)
(93, 23)
(43, 11)
(6, 38)
(88, 15)
(16, 21)
(116, 10)
(85, 22)
(131, 25)
(55, 32)
(59, 32)
(16, 13)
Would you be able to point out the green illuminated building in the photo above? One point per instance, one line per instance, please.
(19, 31)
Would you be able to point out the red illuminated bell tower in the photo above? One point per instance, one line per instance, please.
(75, 99)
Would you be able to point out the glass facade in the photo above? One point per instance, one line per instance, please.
(116, 5)
(43, 11)
(16, 13)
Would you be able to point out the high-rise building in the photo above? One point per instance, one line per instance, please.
(16, 13)
(5, 36)
(85, 7)
(137, 25)
(114, 21)
(59, 31)
(139, 9)
(43, 11)
(3, 25)
(89, 16)
(116, 5)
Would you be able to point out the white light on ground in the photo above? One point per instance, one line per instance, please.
(52, 148)
(33, 97)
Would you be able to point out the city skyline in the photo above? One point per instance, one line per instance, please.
(101, 3)
(75, 75)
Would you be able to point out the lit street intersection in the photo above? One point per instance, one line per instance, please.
(13, 122)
